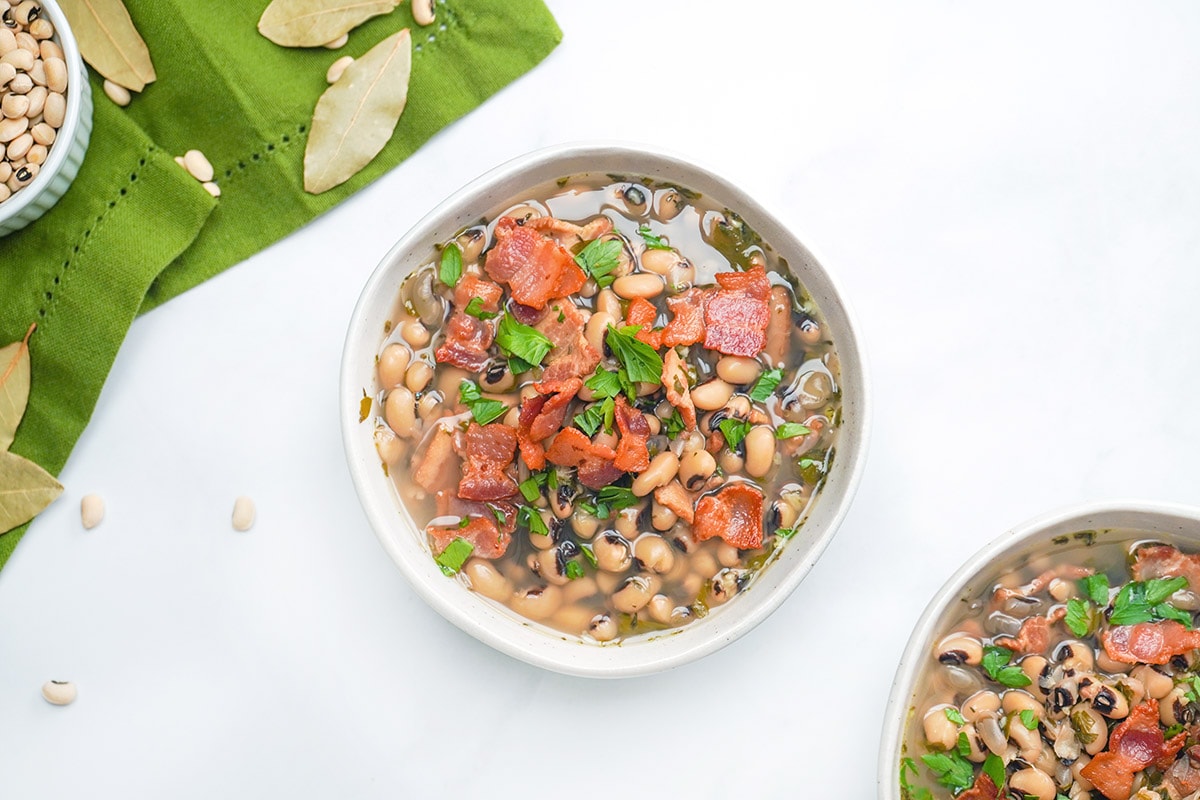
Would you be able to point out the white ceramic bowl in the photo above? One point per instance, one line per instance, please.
(404, 541)
(1174, 524)
(66, 154)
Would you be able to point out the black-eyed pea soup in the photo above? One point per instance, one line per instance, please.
(610, 406)
(1076, 676)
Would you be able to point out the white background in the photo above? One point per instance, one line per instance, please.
(1009, 195)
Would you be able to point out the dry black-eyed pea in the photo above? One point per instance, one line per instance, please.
(243, 514)
(91, 510)
(59, 693)
(32, 72)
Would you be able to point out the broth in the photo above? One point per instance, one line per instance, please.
(586, 527)
(1070, 676)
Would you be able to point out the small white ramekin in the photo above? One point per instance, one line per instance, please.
(71, 143)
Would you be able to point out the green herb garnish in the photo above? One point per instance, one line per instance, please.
(482, 409)
(1029, 719)
(530, 518)
(598, 259)
(954, 716)
(641, 362)
(525, 345)
(996, 664)
(604, 383)
(789, 429)
(764, 387)
(993, 767)
(674, 424)
(951, 770)
(907, 790)
(618, 497)
(734, 430)
(454, 556)
(652, 242)
(1080, 618)
(1096, 588)
(451, 267)
(787, 533)
(530, 489)
(574, 570)
(589, 555)
(475, 309)
(1145, 601)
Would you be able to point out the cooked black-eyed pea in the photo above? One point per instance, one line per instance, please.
(980, 705)
(668, 203)
(584, 524)
(959, 648)
(1028, 742)
(388, 445)
(704, 563)
(571, 617)
(627, 522)
(1107, 700)
(810, 331)
(634, 593)
(635, 199)
(660, 262)
(513, 417)
(682, 540)
(662, 470)
(497, 377)
(993, 738)
(543, 541)
(607, 582)
(1076, 658)
(1156, 684)
(1036, 668)
(660, 608)
(730, 462)
(537, 602)
(580, 589)
(561, 501)
(1031, 782)
(471, 243)
(549, 564)
(661, 517)
(728, 555)
(654, 553)
(939, 730)
(760, 450)
(1133, 689)
(643, 285)
(977, 753)
(487, 580)
(738, 370)
(414, 332)
(399, 409)
(596, 327)
(1015, 701)
(695, 468)
(725, 584)
(418, 375)
(813, 390)
(1089, 727)
(712, 394)
(1175, 709)
(430, 406)
(1061, 590)
(613, 552)
(602, 628)
(1109, 665)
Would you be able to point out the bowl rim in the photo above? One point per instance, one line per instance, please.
(912, 660)
(76, 77)
(643, 659)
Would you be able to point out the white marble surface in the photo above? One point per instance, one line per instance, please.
(1008, 194)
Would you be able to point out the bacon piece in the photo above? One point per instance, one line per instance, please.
(643, 313)
(1148, 642)
(572, 356)
(487, 452)
(437, 467)
(467, 342)
(1034, 637)
(675, 383)
(1066, 572)
(736, 315)
(482, 532)
(676, 498)
(687, 325)
(535, 268)
(734, 513)
(559, 395)
(593, 462)
(450, 504)
(532, 452)
(471, 286)
(1136, 743)
(984, 789)
(632, 454)
(567, 233)
(1165, 561)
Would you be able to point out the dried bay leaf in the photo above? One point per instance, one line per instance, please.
(14, 387)
(25, 489)
(312, 23)
(109, 41)
(356, 116)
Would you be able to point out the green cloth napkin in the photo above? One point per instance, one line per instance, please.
(135, 230)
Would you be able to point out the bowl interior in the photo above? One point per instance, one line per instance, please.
(1047, 535)
(399, 535)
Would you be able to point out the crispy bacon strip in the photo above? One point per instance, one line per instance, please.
(487, 452)
(642, 312)
(467, 338)
(1034, 637)
(532, 451)
(1164, 561)
(437, 467)
(559, 395)
(632, 454)
(482, 532)
(733, 513)
(567, 233)
(984, 789)
(471, 286)
(675, 383)
(536, 268)
(572, 356)
(687, 325)
(593, 462)
(1136, 743)
(736, 315)
(1148, 642)
(676, 498)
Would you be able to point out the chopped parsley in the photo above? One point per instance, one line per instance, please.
(526, 346)
(963, 745)
(951, 770)
(996, 664)
(530, 489)
(475, 309)
(787, 533)
(1193, 691)
(734, 430)
(674, 424)
(1029, 719)
(604, 383)
(574, 570)
(464, 522)
(596, 415)
(993, 767)
(907, 790)
(450, 269)
(1081, 617)
(789, 429)
(641, 362)
(1145, 601)
(454, 556)
(618, 497)
(764, 387)
(589, 555)
(954, 716)
(598, 259)
(1096, 588)
(482, 409)
(652, 242)
(530, 518)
